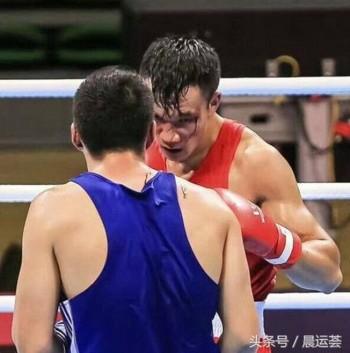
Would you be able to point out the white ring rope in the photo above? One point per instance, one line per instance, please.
(274, 301)
(7, 303)
(324, 191)
(289, 301)
(309, 191)
(266, 86)
(38, 88)
(277, 86)
(21, 193)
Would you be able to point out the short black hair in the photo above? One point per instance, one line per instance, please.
(174, 63)
(113, 110)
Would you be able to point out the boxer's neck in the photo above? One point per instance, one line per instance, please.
(126, 168)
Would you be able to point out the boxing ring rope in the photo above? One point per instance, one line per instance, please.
(309, 192)
(275, 301)
(269, 86)
(229, 87)
(21, 193)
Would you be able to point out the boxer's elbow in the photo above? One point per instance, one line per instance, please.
(332, 282)
(238, 347)
(241, 339)
(333, 274)
(319, 268)
(26, 344)
(22, 346)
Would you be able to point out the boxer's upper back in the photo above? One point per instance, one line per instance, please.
(151, 277)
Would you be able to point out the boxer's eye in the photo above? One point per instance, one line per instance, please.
(186, 121)
(158, 119)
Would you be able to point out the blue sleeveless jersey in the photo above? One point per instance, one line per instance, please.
(152, 295)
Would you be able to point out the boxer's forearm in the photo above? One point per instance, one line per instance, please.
(318, 268)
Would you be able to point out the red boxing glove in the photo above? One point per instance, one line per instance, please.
(261, 236)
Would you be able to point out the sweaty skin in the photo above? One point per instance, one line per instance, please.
(58, 254)
(259, 173)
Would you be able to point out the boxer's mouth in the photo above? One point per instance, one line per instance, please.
(171, 150)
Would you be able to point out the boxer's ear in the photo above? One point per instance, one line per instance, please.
(215, 101)
(75, 138)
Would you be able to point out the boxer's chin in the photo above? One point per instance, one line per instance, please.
(174, 154)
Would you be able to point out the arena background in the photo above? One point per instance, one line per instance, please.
(67, 39)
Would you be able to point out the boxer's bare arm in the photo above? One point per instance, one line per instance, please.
(272, 182)
(38, 285)
(237, 310)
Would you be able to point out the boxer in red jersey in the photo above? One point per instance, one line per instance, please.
(193, 141)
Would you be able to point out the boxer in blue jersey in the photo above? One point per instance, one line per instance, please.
(144, 259)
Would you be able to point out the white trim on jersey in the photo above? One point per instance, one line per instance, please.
(68, 319)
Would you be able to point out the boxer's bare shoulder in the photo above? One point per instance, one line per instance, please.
(253, 151)
(203, 200)
(257, 166)
(54, 207)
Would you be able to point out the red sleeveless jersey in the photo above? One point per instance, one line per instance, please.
(214, 173)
